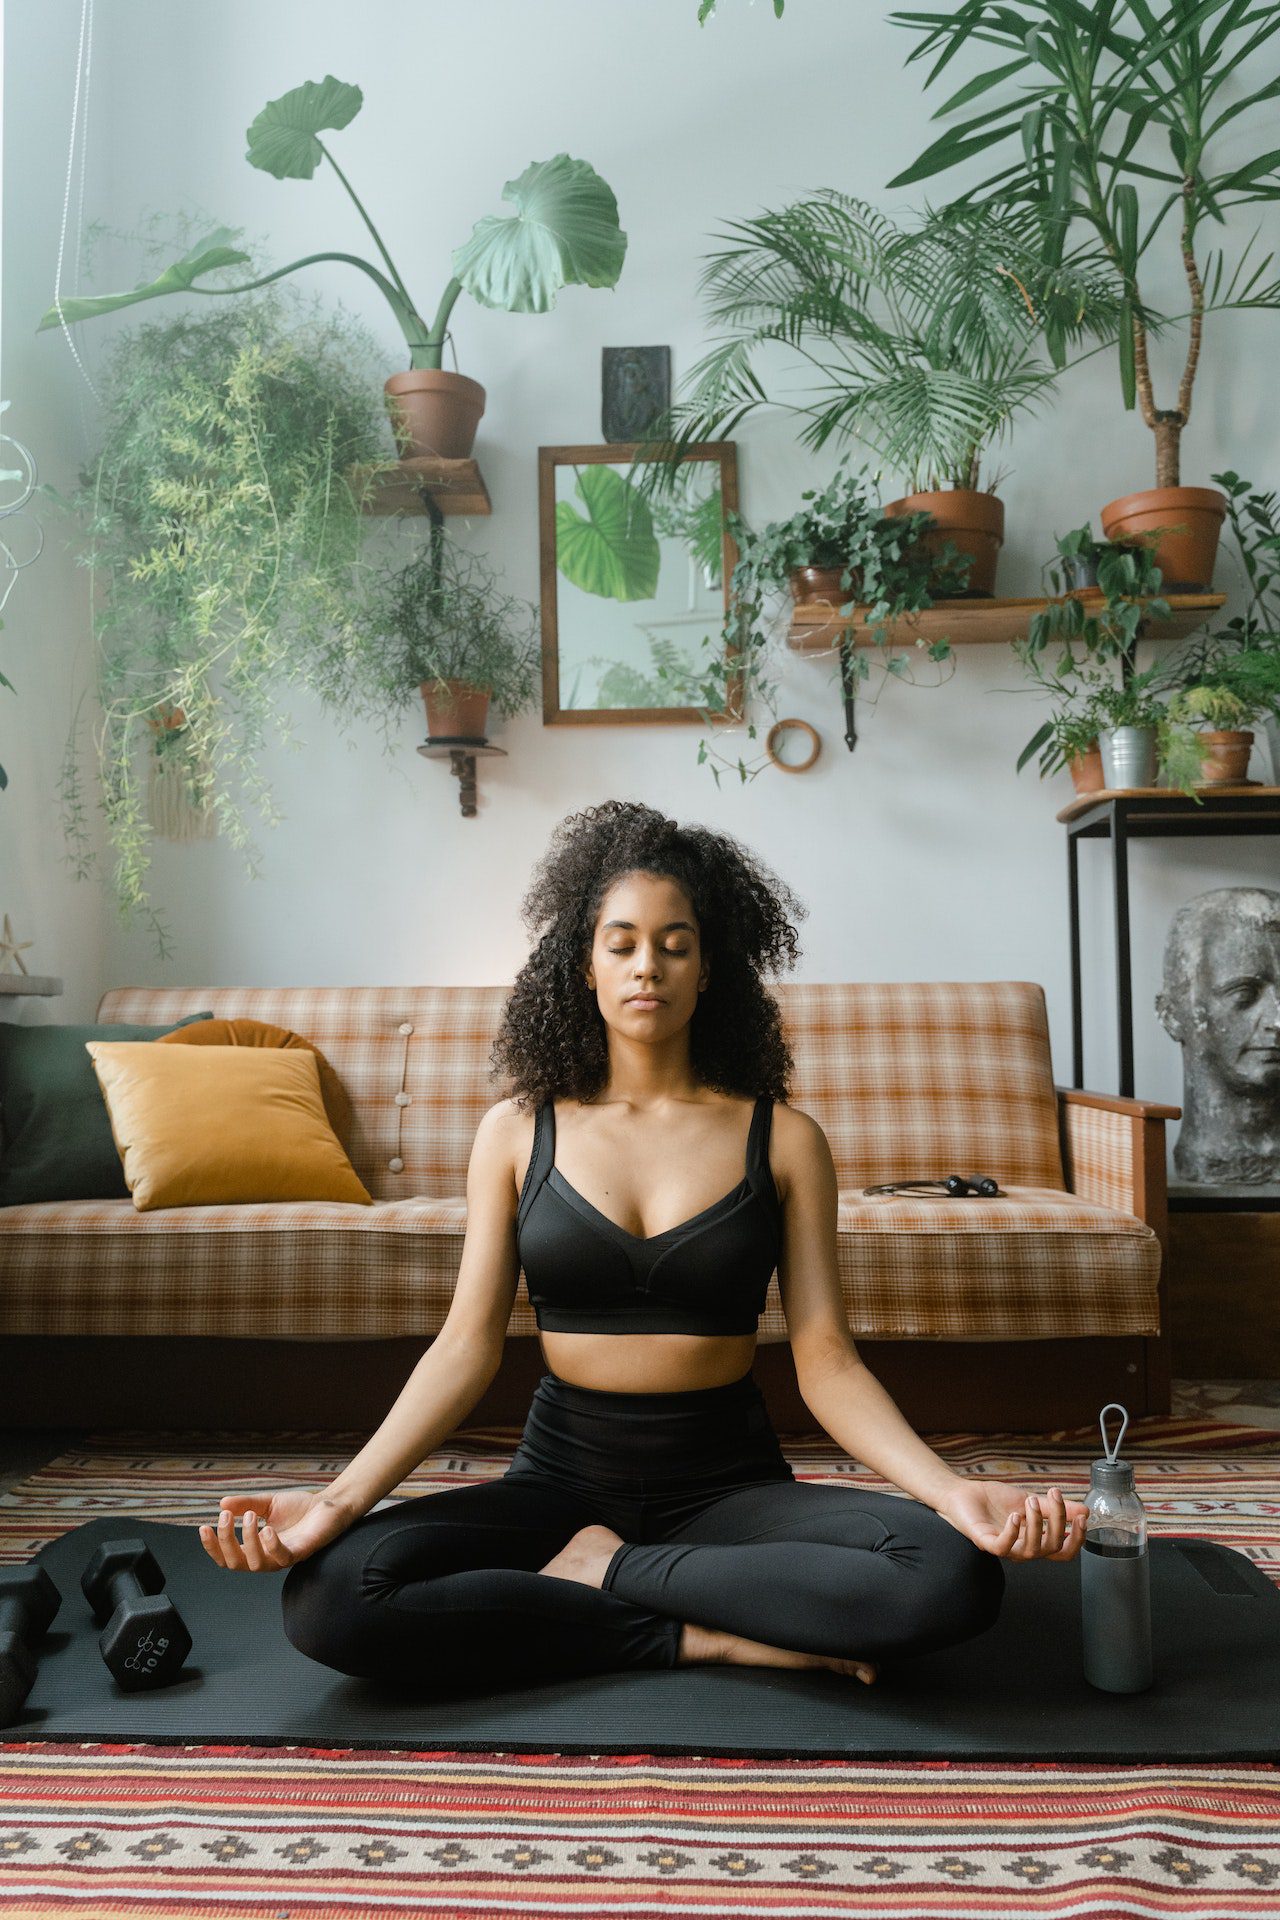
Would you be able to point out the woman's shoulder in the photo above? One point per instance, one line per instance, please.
(799, 1150)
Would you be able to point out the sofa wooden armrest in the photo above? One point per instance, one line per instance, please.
(1113, 1151)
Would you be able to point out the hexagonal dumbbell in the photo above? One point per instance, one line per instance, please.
(145, 1640)
(28, 1602)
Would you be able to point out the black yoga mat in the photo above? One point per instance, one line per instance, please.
(1015, 1692)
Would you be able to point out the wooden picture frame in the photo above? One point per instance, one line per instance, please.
(551, 461)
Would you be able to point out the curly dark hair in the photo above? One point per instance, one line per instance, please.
(552, 1039)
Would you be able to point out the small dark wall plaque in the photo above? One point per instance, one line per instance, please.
(636, 384)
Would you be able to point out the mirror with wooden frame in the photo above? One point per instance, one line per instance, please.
(632, 585)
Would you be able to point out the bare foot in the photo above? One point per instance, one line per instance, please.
(585, 1556)
(703, 1644)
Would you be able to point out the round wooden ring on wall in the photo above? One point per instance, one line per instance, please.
(788, 726)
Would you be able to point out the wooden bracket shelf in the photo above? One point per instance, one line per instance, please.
(978, 623)
(406, 486)
(46, 984)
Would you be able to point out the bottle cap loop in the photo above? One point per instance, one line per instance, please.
(1112, 1452)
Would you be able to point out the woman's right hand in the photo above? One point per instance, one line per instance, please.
(279, 1529)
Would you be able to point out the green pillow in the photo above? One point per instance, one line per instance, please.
(53, 1119)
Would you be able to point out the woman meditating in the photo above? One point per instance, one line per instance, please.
(649, 1177)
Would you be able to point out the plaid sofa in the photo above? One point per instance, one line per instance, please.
(907, 1080)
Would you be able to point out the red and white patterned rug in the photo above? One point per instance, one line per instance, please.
(296, 1833)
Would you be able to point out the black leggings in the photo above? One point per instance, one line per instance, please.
(444, 1589)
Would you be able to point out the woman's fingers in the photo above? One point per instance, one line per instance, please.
(259, 1548)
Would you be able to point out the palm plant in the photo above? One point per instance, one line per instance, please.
(923, 344)
(1072, 97)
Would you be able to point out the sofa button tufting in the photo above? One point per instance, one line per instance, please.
(396, 1165)
(404, 1099)
(406, 1026)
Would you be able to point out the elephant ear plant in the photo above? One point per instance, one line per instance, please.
(564, 230)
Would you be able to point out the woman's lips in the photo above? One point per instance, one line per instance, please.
(646, 1002)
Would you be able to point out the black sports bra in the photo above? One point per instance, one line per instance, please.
(709, 1274)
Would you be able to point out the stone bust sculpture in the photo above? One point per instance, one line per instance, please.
(1220, 999)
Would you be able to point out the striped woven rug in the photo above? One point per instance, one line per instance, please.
(292, 1833)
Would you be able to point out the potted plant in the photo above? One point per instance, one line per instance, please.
(439, 626)
(1223, 685)
(1080, 556)
(1072, 93)
(862, 556)
(564, 230)
(923, 344)
(1137, 734)
(222, 537)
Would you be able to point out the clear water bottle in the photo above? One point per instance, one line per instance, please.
(1115, 1573)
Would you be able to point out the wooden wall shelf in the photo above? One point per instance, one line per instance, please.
(41, 983)
(979, 623)
(455, 486)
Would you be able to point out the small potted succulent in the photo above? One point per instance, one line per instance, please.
(440, 627)
(565, 230)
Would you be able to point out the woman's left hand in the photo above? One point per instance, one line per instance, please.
(1015, 1525)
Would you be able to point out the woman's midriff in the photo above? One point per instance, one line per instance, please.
(648, 1362)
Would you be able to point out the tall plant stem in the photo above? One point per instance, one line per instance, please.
(377, 237)
(404, 311)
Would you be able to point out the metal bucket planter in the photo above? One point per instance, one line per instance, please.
(1128, 756)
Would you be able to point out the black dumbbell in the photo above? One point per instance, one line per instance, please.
(145, 1640)
(28, 1602)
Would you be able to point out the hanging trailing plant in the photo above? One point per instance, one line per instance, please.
(223, 541)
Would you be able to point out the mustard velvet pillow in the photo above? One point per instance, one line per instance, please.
(204, 1126)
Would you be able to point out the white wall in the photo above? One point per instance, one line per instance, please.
(921, 855)
(44, 645)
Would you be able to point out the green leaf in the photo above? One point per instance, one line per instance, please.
(1034, 744)
(1126, 206)
(947, 151)
(4, 779)
(614, 551)
(565, 231)
(1128, 368)
(282, 140)
(206, 256)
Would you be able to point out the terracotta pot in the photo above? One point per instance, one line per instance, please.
(1228, 761)
(455, 709)
(1192, 519)
(437, 411)
(822, 585)
(973, 522)
(1086, 771)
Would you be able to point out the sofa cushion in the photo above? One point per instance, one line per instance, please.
(57, 1136)
(264, 1033)
(202, 1126)
(1046, 1265)
(906, 1079)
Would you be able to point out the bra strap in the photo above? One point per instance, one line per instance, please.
(758, 1171)
(540, 1159)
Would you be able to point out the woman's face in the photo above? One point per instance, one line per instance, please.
(646, 943)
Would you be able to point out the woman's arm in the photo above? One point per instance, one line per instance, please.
(845, 1397)
(836, 1385)
(467, 1352)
